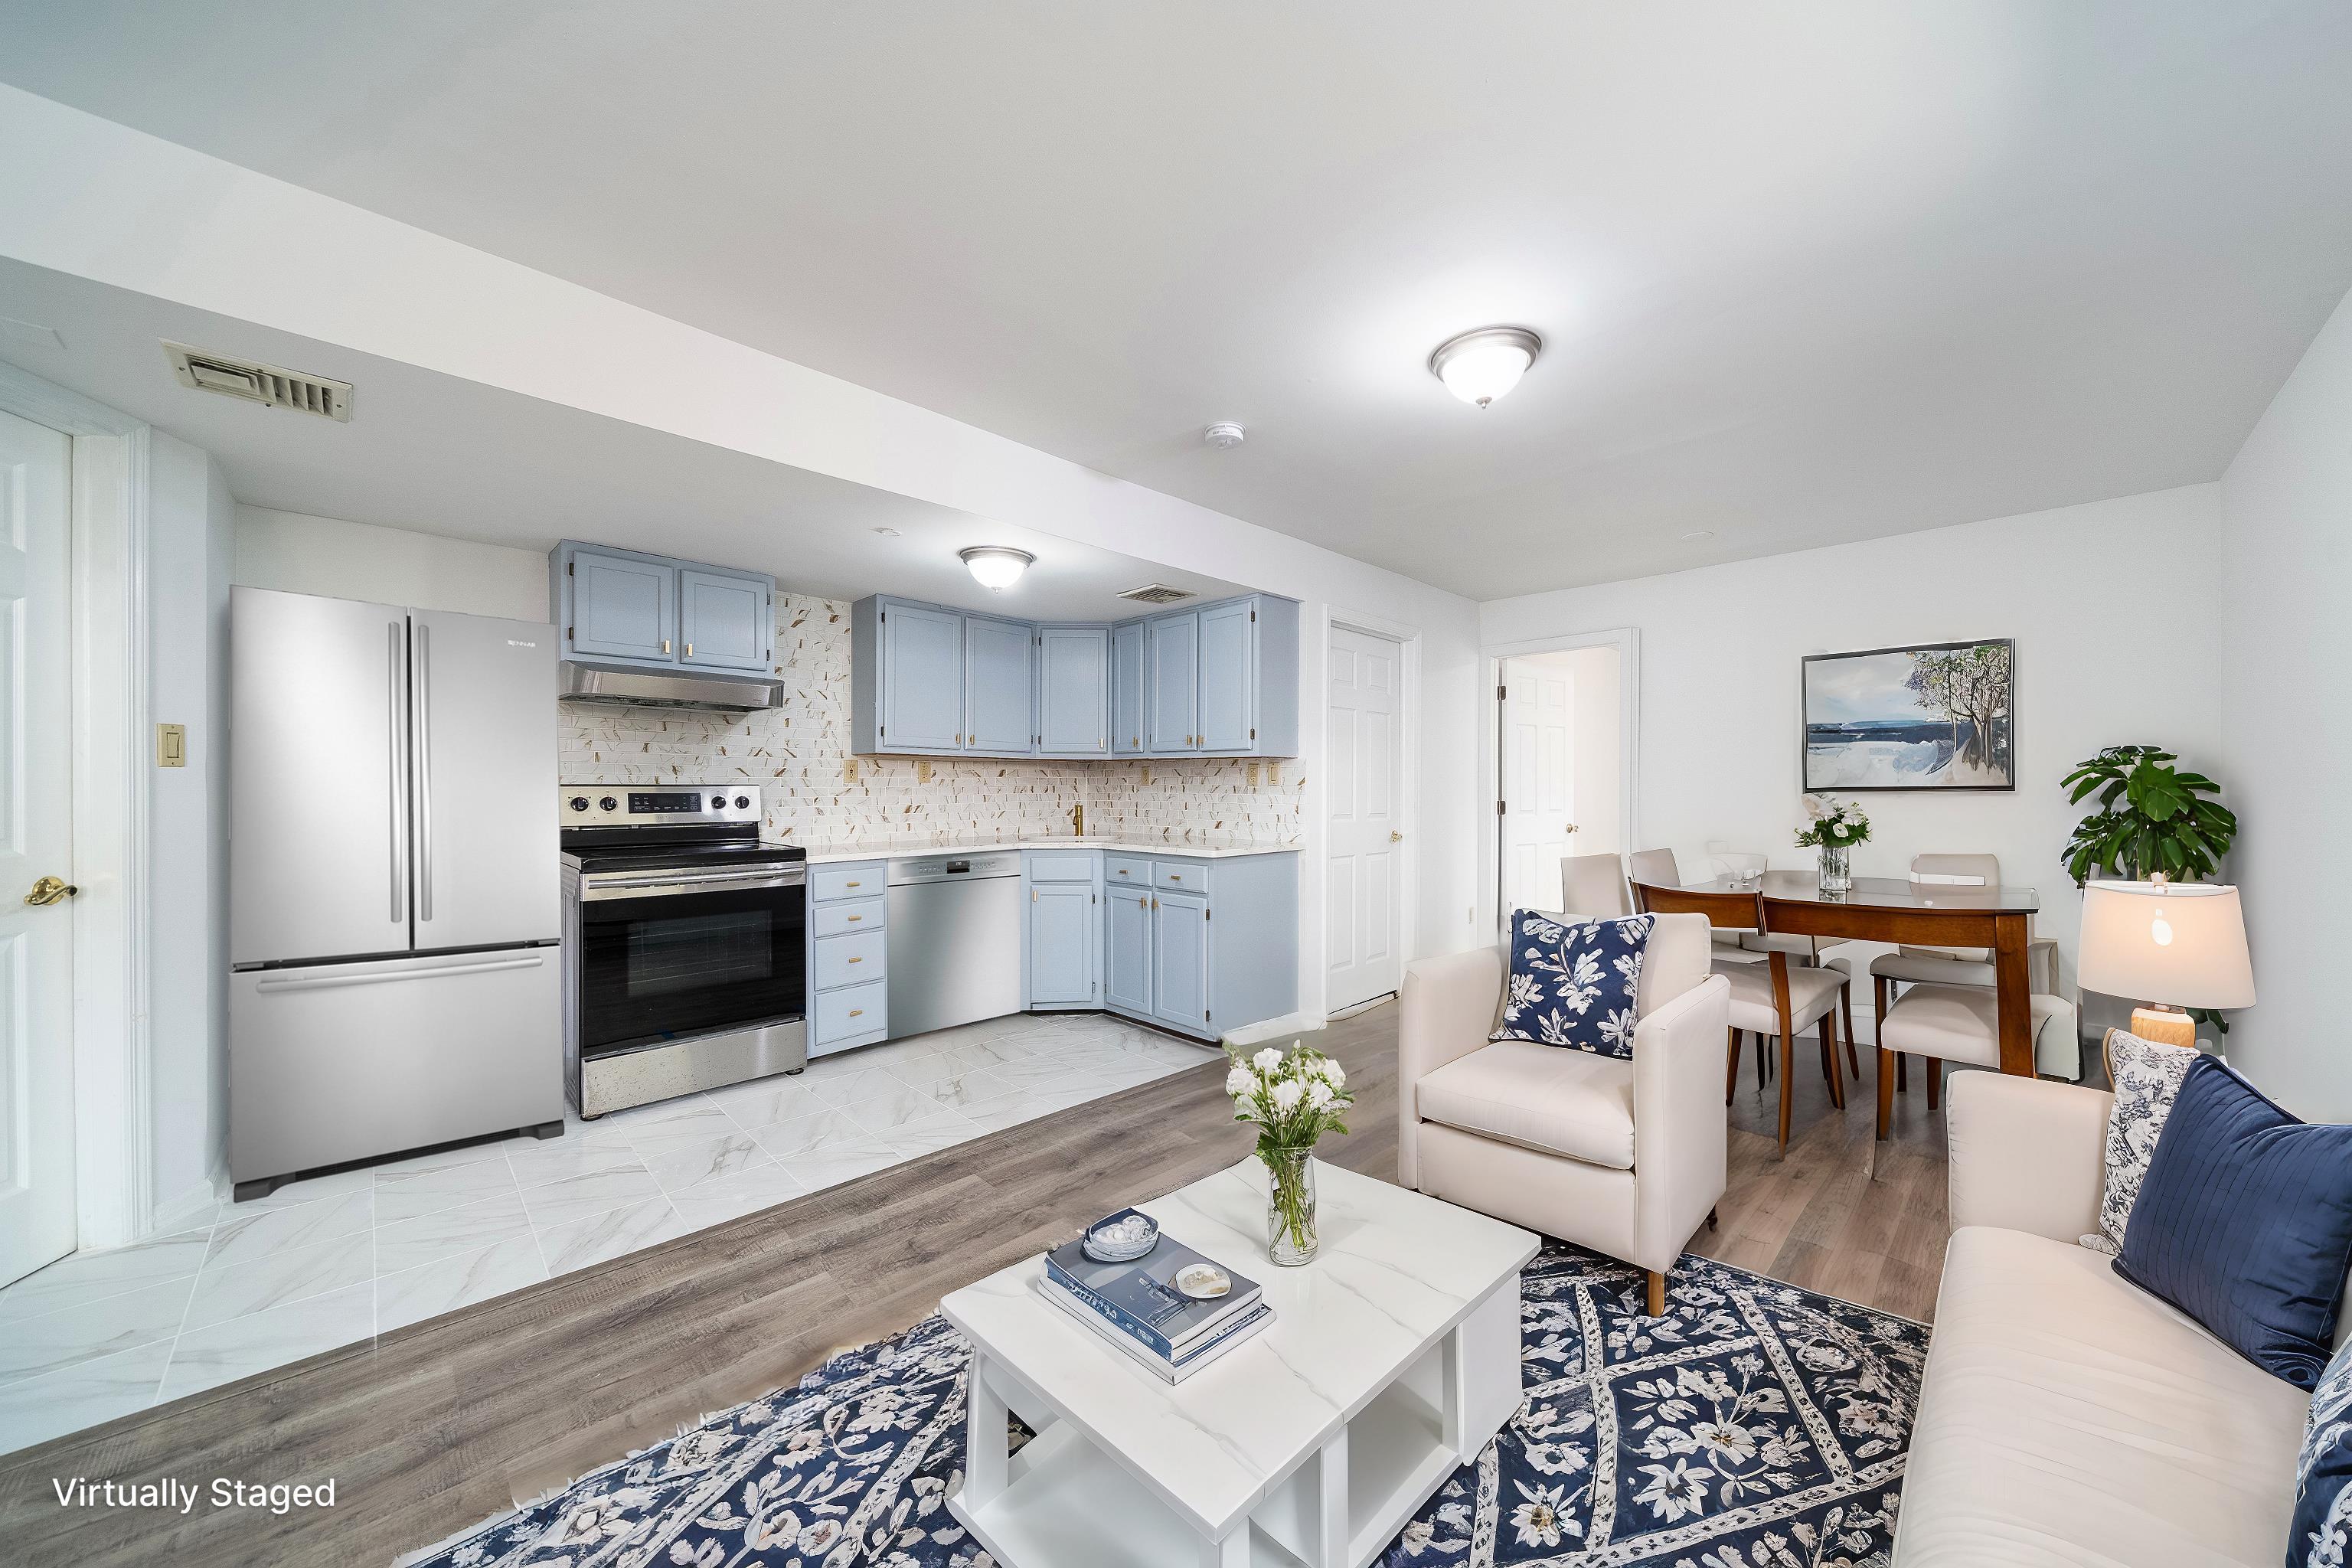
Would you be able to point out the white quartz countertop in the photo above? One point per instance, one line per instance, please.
(830, 854)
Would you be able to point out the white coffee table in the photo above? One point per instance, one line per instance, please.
(1391, 1359)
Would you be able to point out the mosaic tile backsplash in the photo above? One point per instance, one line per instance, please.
(820, 795)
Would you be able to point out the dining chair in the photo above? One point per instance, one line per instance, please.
(1767, 997)
(1941, 1024)
(1970, 966)
(1657, 868)
(1594, 885)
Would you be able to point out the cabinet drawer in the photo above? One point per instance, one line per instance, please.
(827, 883)
(852, 1010)
(1185, 875)
(1126, 871)
(1072, 867)
(840, 919)
(839, 960)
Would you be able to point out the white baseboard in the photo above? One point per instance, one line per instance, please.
(192, 1207)
(1258, 1033)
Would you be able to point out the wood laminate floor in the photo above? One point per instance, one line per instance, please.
(430, 1428)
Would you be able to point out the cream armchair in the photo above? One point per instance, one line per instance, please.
(1625, 1157)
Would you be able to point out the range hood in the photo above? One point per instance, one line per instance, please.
(591, 681)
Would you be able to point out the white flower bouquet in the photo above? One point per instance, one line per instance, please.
(1835, 824)
(1294, 1097)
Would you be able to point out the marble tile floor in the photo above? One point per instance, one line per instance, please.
(343, 1258)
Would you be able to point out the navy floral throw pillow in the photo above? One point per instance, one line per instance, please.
(1574, 982)
(2322, 1531)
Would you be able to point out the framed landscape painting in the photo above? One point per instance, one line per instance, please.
(1938, 715)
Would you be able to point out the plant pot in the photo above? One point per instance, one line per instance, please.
(1837, 867)
(1291, 1239)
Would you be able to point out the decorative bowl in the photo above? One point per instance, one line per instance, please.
(1740, 869)
(1136, 1235)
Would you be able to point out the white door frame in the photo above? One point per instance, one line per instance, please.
(1407, 641)
(1627, 641)
(113, 1113)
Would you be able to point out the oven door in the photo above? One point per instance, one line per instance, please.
(670, 955)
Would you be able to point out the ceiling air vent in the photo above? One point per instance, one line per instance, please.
(271, 384)
(1155, 593)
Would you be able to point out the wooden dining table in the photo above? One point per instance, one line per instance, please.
(1915, 914)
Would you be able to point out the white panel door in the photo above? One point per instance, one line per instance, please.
(36, 1159)
(1365, 829)
(1538, 774)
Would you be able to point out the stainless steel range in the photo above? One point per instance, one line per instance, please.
(685, 964)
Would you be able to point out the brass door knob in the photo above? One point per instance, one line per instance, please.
(1395, 836)
(50, 890)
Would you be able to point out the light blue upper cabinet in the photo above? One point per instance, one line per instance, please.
(1061, 944)
(1173, 683)
(1074, 691)
(999, 714)
(1127, 949)
(726, 620)
(1227, 662)
(619, 607)
(1180, 961)
(922, 679)
(1126, 707)
(1221, 680)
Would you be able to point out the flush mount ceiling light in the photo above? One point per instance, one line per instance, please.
(1481, 366)
(996, 567)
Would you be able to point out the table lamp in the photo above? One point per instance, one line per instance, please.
(2173, 945)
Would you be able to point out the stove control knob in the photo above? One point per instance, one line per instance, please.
(743, 803)
(609, 804)
(717, 802)
(579, 803)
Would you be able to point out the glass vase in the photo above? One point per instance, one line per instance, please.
(1290, 1206)
(1837, 867)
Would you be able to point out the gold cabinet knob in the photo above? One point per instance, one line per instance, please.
(50, 890)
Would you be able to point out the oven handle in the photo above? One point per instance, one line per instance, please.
(668, 884)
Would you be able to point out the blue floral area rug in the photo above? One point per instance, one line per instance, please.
(1755, 1425)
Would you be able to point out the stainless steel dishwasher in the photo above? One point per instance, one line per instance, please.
(955, 941)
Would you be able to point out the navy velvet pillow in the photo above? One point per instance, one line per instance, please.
(2322, 1473)
(2245, 1222)
(1574, 982)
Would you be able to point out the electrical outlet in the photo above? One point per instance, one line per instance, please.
(849, 769)
(1257, 772)
(1273, 775)
(922, 770)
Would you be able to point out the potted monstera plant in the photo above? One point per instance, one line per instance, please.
(2151, 818)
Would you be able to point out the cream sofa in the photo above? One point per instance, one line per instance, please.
(1625, 1157)
(2067, 1417)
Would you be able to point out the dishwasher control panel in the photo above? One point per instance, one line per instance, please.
(955, 867)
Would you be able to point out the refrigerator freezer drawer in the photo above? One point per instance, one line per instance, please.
(353, 1061)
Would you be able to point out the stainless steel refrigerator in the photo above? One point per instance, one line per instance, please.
(395, 888)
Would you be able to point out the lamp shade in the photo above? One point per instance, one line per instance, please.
(2181, 944)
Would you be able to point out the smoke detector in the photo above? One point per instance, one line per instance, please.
(271, 385)
(1224, 436)
(1156, 594)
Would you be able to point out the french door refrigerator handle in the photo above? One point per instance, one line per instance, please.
(398, 711)
(424, 772)
(386, 977)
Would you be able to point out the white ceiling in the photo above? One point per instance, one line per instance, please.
(443, 456)
(1809, 271)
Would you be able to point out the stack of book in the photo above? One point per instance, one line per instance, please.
(1137, 1306)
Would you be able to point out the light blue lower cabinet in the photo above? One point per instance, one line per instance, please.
(848, 955)
(1180, 961)
(1127, 950)
(1062, 945)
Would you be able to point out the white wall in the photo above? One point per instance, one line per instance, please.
(93, 199)
(298, 553)
(189, 530)
(2285, 561)
(2114, 644)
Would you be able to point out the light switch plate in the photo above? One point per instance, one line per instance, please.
(171, 745)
